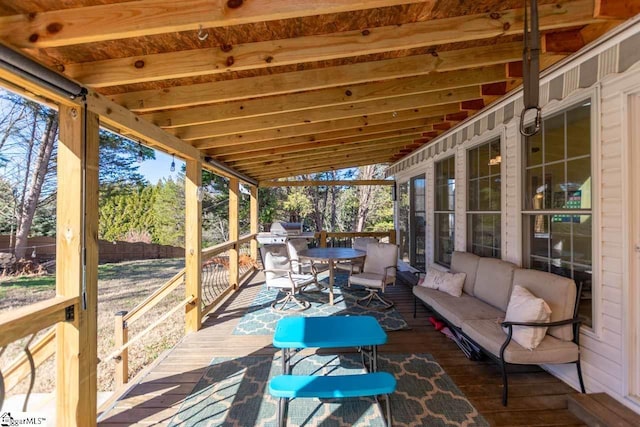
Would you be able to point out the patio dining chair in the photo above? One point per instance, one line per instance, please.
(300, 265)
(279, 275)
(355, 266)
(378, 271)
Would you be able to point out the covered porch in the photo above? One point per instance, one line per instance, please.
(258, 92)
(156, 396)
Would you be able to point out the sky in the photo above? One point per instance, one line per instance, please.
(159, 168)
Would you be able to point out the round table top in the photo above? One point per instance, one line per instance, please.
(331, 253)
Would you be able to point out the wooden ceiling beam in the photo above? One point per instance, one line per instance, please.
(319, 78)
(616, 9)
(330, 163)
(281, 147)
(327, 183)
(327, 97)
(431, 115)
(321, 152)
(389, 106)
(267, 173)
(90, 24)
(362, 132)
(266, 54)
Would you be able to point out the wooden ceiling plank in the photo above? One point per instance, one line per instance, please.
(279, 147)
(327, 183)
(290, 171)
(323, 151)
(295, 170)
(91, 24)
(389, 106)
(327, 97)
(272, 53)
(362, 131)
(319, 78)
(432, 115)
(127, 123)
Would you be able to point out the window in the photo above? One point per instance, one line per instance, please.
(412, 222)
(483, 201)
(444, 216)
(557, 200)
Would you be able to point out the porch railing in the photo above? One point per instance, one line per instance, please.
(340, 239)
(216, 285)
(28, 321)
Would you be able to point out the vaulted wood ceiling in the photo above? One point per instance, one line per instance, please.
(279, 88)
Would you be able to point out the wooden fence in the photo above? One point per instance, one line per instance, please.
(45, 249)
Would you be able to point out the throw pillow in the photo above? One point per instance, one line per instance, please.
(526, 307)
(432, 279)
(452, 283)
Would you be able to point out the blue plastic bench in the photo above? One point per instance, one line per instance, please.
(287, 387)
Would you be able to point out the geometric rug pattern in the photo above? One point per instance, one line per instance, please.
(260, 319)
(234, 392)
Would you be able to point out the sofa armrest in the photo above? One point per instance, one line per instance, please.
(539, 324)
(575, 321)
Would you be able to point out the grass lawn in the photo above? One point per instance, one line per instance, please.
(121, 286)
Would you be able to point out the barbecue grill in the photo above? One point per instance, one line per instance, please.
(281, 231)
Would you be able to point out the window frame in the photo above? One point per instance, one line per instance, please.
(499, 138)
(411, 220)
(436, 212)
(591, 95)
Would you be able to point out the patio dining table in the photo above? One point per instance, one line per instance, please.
(331, 255)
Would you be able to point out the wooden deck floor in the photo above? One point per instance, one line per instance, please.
(535, 397)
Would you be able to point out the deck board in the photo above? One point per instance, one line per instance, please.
(535, 397)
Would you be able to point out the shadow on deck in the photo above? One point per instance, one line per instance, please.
(536, 398)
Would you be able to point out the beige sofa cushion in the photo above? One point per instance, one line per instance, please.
(493, 282)
(490, 336)
(457, 309)
(526, 307)
(465, 262)
(557, 291)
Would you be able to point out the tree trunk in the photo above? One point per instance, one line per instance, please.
(364, 197)
(32, 195)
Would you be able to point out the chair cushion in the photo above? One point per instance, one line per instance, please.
(457, 309)
(557, 291)
(361, 243)
(526, 307)
(379, 256)
(299, 280)
(370, 280)
(465, 262)
(276, 257)
(490, 336)
(493, 282)
(349, 266)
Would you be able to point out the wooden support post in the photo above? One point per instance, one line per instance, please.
(120, 338)
(234, 231)
(253, 220)
(193, 244)
(323, 238)
(77, 267)
(392, 236)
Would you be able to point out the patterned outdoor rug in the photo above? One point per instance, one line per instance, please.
(260, 319)
(234, 392)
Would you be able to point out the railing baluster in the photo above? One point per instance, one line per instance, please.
(121, 372)
(32, 370)
(2, 381)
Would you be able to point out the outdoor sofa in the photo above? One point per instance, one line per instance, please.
(478, 314)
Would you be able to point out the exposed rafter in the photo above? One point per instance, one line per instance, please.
(266, 54)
